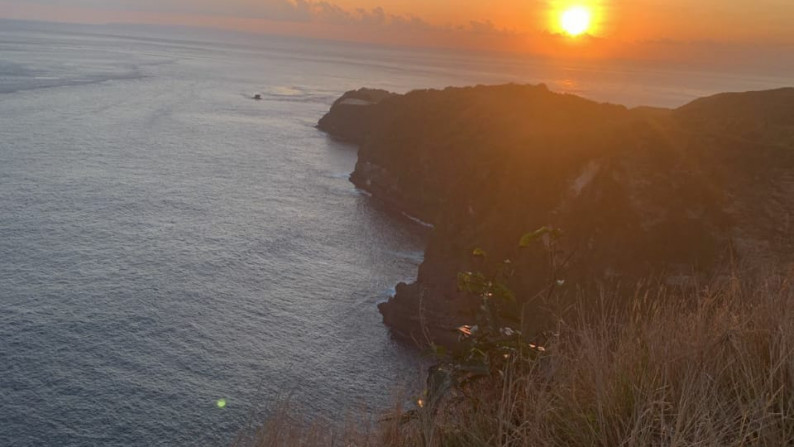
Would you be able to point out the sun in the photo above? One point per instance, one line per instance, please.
(576, 20)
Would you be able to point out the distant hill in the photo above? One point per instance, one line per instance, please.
(680, 194)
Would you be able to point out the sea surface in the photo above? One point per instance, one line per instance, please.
(167, 242)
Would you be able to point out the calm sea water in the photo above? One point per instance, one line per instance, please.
(166, 242)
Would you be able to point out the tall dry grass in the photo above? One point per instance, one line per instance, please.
(713, 367)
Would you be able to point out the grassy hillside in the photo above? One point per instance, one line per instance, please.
(665, 367)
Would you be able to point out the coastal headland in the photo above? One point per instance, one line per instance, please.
(682, 195)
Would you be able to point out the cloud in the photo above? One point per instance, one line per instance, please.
(327, 12)
(374, 17)
(486, 27)
(302, 11)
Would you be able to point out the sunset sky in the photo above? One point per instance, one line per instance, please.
(620, 28)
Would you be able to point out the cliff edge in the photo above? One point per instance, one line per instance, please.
(674, 193)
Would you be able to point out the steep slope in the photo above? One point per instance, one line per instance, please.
(675, 193)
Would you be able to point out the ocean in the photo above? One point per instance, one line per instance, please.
(167, 242)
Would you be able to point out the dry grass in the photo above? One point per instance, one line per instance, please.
(707, 368)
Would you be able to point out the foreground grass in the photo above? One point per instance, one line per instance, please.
(713, 367)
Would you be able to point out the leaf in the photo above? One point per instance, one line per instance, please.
(503, 292)
(464, 281)
(533, 236)
(471, 282)
(478, 352)
(478, 252)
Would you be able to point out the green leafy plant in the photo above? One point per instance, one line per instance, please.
(492, 341)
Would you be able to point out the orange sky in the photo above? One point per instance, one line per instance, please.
(623, 28)
(631, 19)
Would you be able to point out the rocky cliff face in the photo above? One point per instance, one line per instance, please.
(675, 193)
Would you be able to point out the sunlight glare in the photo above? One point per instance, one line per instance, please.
(576, 20)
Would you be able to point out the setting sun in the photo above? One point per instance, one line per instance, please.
(576, 20)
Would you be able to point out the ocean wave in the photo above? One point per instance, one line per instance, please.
(13, 84)
(418, 221)
(286, 93)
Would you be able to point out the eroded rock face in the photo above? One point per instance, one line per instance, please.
(677, 193)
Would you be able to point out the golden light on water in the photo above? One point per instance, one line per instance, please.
(576, 20)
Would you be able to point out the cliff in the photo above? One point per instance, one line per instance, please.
(676, 193)
(351, 120)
